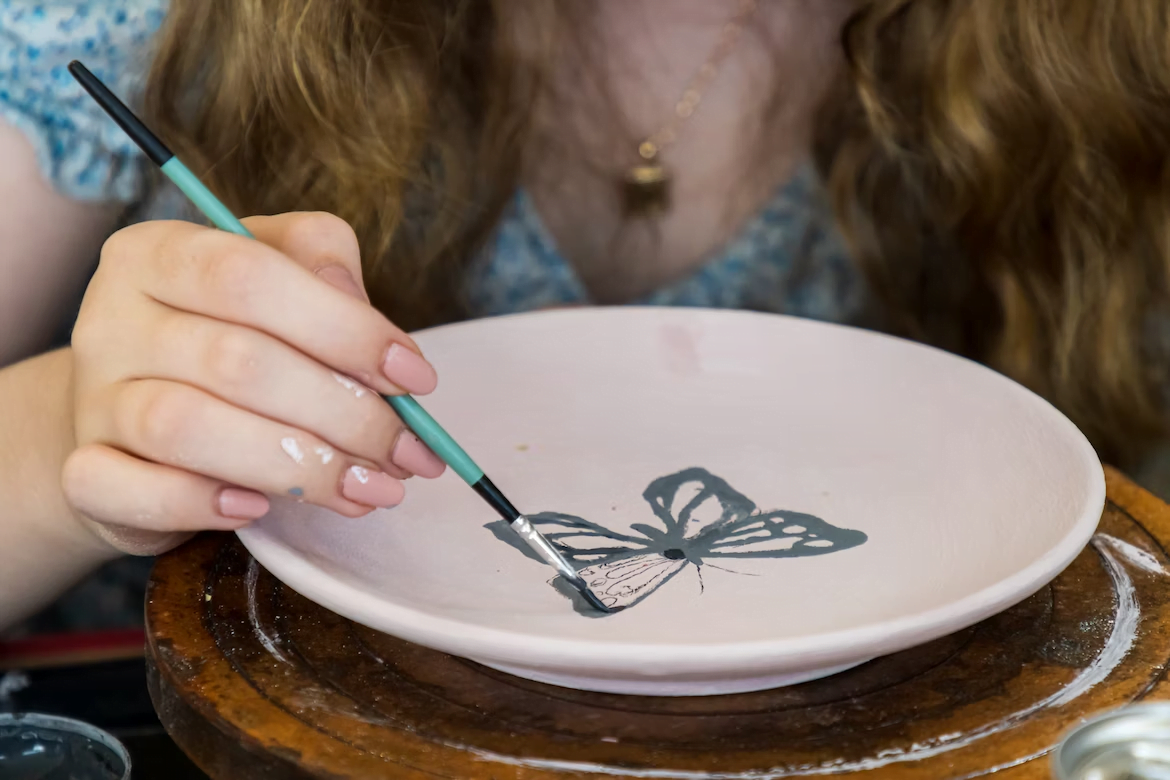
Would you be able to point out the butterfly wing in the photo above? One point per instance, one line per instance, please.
(626, 581)
(778, 534)
(685, 504)
(579, 540)
(694, 501)
(622, 569)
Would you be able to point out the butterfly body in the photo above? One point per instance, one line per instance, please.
(702, 521)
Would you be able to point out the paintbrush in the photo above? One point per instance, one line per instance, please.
(407, 408)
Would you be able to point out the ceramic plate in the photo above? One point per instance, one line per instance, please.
(774, 499)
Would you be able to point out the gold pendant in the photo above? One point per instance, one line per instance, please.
(645, 191)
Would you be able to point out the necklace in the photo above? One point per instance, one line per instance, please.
(645, 186)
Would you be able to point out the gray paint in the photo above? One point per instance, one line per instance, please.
(623, 569)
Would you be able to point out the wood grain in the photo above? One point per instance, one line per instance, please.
(254, 681)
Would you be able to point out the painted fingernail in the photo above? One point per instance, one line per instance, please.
(414, 456)
(372, 488)
(242, 504)
(343, 280)
(409, 371)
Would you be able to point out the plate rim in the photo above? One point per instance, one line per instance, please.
(512, 647)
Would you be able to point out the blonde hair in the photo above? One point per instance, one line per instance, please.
(999, 167)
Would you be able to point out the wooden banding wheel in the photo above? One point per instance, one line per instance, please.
(254, 681)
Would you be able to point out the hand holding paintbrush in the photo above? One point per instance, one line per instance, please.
(242, 305)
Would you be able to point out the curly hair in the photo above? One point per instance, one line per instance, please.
(1000, 168)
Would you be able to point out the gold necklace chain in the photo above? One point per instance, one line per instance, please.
(646, 186)
(702, 79)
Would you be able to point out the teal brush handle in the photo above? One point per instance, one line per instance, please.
(416, 418)
(433, 435)
(202, 198)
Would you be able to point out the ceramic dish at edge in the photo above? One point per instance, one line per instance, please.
(778, 499)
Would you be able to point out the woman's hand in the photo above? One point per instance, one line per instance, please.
(211, 370)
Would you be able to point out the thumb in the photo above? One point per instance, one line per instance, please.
(318, 242)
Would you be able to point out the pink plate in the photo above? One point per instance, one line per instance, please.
(777, 500)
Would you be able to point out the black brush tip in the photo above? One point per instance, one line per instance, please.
(155, 149)
(592, 599)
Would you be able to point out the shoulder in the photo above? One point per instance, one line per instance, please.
(79, 150)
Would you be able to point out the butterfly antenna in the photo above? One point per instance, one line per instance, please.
(702, 586)
(732, 571)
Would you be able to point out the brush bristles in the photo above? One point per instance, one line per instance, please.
(591, 597)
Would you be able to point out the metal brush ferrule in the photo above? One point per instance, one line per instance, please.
(544, 548)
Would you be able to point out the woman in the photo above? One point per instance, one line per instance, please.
(997, 171)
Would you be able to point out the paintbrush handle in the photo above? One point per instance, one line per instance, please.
(433, 435)
(204, 200)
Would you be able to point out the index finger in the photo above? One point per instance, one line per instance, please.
(240, 280)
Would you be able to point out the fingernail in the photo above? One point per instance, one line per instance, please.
(342, 280)
(409, 371)
(372, 488)
(242, 504)
(414, 456)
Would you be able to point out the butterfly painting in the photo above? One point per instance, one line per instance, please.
(698, 520)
